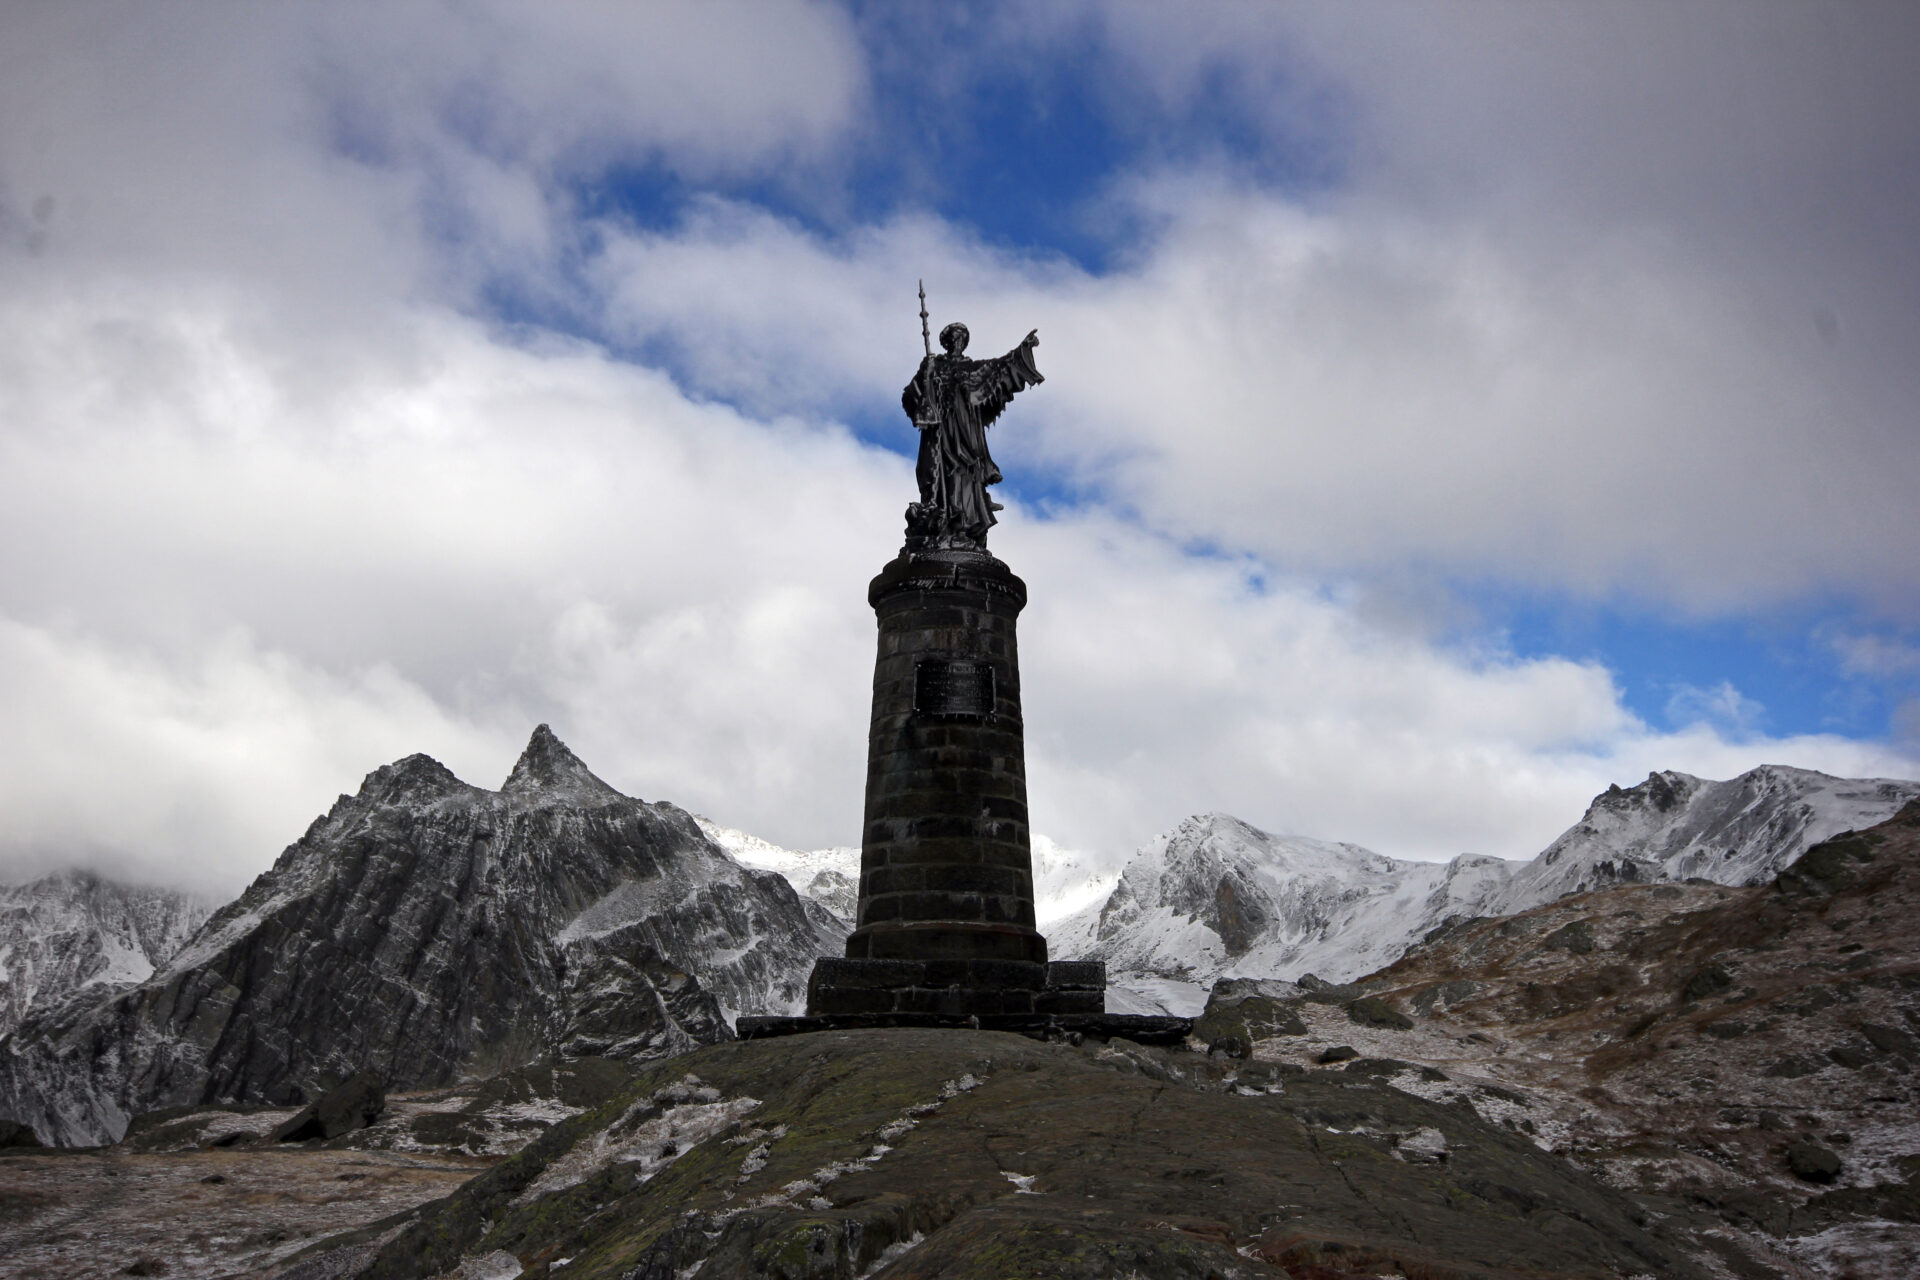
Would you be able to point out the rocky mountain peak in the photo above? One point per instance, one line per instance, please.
(416, 779)
(1662, 790)
(547, 765)
(429, 930)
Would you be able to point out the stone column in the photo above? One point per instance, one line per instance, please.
(946, 922)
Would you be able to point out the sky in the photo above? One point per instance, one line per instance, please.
(1451, 409)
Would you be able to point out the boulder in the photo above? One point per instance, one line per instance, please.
(1811, 1162)
(353, 1105)
(1372, 1011)
(1709, 980)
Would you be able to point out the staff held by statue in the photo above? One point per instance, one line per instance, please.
(928, 418)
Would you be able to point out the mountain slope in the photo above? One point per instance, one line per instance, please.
(75, 932)
(831, 877)
(1064, 881)
(428, 930)
(1745, 1060)
(1675, 826)
(1218, 898)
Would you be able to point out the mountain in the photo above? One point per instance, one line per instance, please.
(1064, 880)
(1644, 1080)
(430, 930)
(75, 932)
(1744, 1060)
(831, 877)
(1218, 898)
(1675, 826)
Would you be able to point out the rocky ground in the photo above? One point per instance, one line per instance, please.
(1645, 1081)
(206, 1192)
(915, 1153)
(68, 1216)
(897, 1153)
(1742, 1060)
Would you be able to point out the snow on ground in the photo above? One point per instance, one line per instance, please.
(653, 1133)
(1151, 994)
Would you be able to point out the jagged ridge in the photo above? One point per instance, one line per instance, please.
(1218, 898)
(430, 930)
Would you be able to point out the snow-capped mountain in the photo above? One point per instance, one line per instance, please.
(1064, 880)
(1217, 898)
(431, 930)
(1675, 826)
(77, 932)
(831, 877)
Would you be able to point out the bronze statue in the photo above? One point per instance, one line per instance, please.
(953, 400)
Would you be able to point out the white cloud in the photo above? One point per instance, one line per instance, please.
(225, 607)
(1868, 654)
(1614, 300)
(1350, 392)
(273, 511)
(405, 148)
(192, 772)
(1722, 707)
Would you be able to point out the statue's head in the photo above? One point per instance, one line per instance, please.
(953, 338)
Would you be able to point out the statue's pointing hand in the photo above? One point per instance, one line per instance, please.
(1033, 339)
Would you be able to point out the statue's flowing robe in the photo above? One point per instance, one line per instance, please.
(966, 396)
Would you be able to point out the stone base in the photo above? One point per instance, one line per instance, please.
(1139, 1028)
(956, 989)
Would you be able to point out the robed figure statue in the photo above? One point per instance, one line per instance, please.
(953, 400)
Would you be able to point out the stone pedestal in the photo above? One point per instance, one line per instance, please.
(945, 923)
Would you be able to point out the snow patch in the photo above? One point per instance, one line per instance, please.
(652, 1133)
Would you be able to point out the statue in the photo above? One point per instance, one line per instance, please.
(952, 401)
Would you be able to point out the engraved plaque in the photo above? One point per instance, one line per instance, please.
(953, 687)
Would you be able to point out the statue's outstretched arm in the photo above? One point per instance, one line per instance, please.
(997, 381)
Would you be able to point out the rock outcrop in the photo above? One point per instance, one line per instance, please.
(427, 930)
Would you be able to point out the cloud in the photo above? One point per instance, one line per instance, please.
(1613, 301)
(194, 772)
(1871, 655)
(1906, 727)
(225, 607)
(1557, 325)
(282, 497)
(1346, 394)
(1723, 707)
(384, 150)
